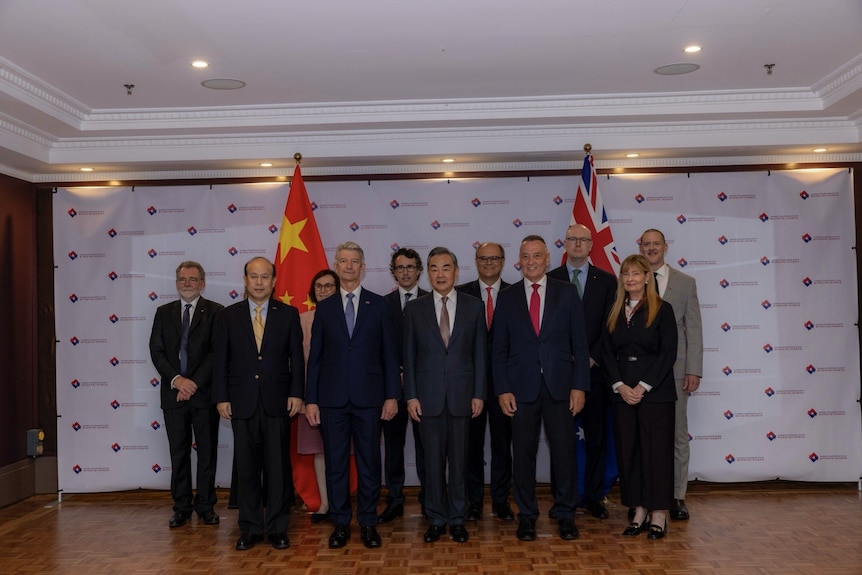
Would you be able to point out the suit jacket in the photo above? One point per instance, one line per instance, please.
(165, 350)
(362, 369)
(242, 375)
(438, 375)
(681, 294)
(599, 293)
(558, 355)
(472, 288)
(638, 353)
(393, 298)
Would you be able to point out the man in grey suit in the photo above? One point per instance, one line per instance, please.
(445, 342)
(680, 290)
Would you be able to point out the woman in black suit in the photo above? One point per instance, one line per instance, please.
(639, 349)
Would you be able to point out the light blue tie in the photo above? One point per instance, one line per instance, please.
(350, 314)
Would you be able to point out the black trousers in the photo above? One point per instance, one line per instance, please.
(182, 425)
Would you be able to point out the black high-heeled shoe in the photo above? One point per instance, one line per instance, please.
(633, 529)
(656, 532)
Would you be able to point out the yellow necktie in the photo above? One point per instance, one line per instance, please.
(257, 325)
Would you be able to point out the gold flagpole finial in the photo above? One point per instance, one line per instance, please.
(588, 148)
(298, 157)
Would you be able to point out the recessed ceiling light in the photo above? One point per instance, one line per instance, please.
(819, 150)
(692, 49)
(86, 169)
(676, 69)
(448, 160)
(266, 165)
(200, 64)
(223, 84)
(632, 155)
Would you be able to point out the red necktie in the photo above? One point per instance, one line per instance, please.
(535, 304)
(489, 308)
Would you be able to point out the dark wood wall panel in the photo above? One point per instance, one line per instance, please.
(18, 277)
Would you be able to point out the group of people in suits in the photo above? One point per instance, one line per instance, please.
(455, 361)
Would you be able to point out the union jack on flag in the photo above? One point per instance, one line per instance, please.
(590, 212)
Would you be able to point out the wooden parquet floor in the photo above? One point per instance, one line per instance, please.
(774, 528)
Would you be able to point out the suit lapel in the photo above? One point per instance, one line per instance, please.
(552, 296)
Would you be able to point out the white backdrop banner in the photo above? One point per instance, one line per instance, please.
(773, 255)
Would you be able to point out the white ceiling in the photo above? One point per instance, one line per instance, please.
(394, 86)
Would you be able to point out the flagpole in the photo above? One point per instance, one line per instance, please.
(298, 158)
(588, 148)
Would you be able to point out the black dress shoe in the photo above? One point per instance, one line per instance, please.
(656, 532)
(319, 517)
(433, 533)
(339, 537)
(568, 531)
(475, 512)
(370, 537)
(247, 540)
(459, 533)
(526, 530)
(178, 519)
(678, 510)
(391, 512)
(279, 541)
(503, 512)
(208, 517)
(597, 509)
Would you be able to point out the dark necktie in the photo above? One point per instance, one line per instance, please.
(350, 314)
(444, 321)
(184, 341)
(407, 297)
(489, 308)
(577, 282)
(535, 304)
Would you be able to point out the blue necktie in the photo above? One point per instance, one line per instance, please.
(350, 314)
(184, 342)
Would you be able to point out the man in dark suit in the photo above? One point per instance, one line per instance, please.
(597, 289)
(541, 375)
(353, 383)
(258, 377)
(444, 385)
(406, 267)
(490, 259)
(680, 291)
(181, 349)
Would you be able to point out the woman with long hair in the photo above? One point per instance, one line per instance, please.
(639, 349)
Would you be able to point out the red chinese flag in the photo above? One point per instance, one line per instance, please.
(298, 257)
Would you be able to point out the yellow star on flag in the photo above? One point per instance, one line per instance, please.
(289, 237)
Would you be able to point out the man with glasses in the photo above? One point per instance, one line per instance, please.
(490, 258)
(182, 352)
(406, 267)
(597, 289)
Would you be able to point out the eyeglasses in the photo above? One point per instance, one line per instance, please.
(410, 268)
(328, 286)
(188, 280)
(488, 259)
(579, 240)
